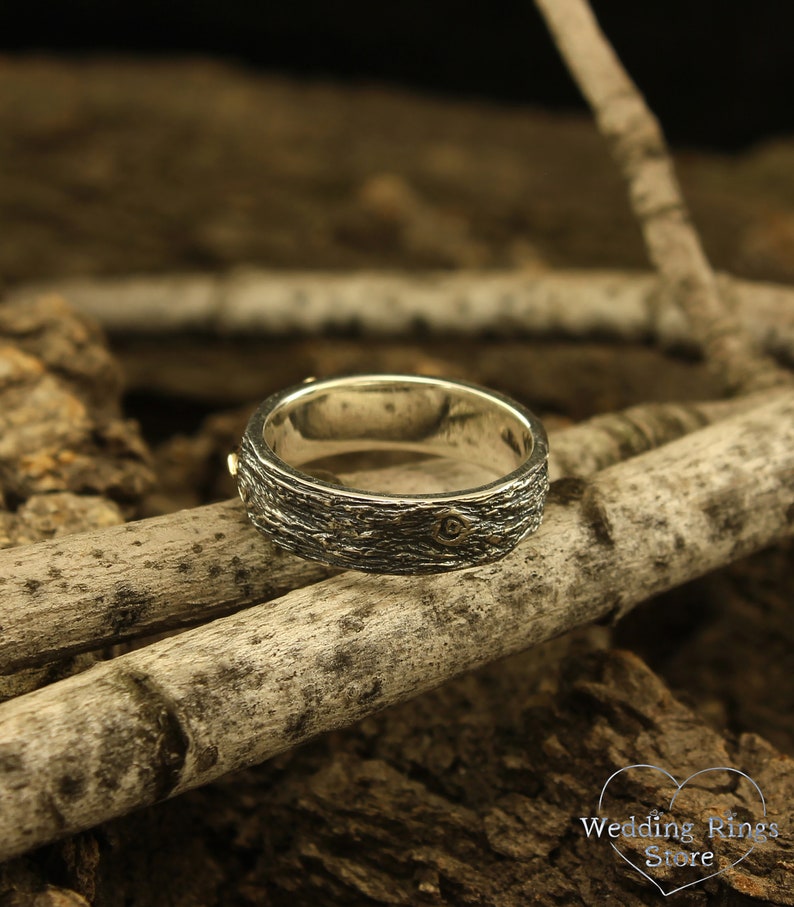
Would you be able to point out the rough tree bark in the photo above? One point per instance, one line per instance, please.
(68, 460)
(489, 800)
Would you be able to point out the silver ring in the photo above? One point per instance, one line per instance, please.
(307, 450)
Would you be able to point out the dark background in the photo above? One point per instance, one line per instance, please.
(719, 73)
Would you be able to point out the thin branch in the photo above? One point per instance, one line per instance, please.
(621, 305)
(637, 144)
(183, 711)
(78, 593)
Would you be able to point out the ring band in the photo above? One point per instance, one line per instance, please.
(300, 439)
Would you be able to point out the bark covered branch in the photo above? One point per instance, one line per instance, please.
(628, 306)
(637, 144)
(181, 712)
(78, 593)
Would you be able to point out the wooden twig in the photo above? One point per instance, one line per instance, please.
(78, 593)
(637, 144)
(187, 709)
(578, 304)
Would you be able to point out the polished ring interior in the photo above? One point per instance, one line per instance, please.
(310, 513)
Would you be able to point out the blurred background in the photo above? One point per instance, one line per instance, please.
(155, 137)
(718, 72)
(161, 138)
(183, 137)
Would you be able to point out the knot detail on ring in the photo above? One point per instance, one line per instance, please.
(452, 528)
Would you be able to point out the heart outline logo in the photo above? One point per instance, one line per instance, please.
(678, 790)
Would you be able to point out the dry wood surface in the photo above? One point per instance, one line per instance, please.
(182, 568)
(467, 793)
(674, 246)
(623, 306)
(183, 711)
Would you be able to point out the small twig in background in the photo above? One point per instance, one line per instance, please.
(578, 304)
(637, 144)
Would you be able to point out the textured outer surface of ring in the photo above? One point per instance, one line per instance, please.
(397, 534)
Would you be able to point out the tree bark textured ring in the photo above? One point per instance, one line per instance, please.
(296, 440)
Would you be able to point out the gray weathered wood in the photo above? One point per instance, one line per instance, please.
(638, 147)
(78, 593)
(183, 711)
(623, 305)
